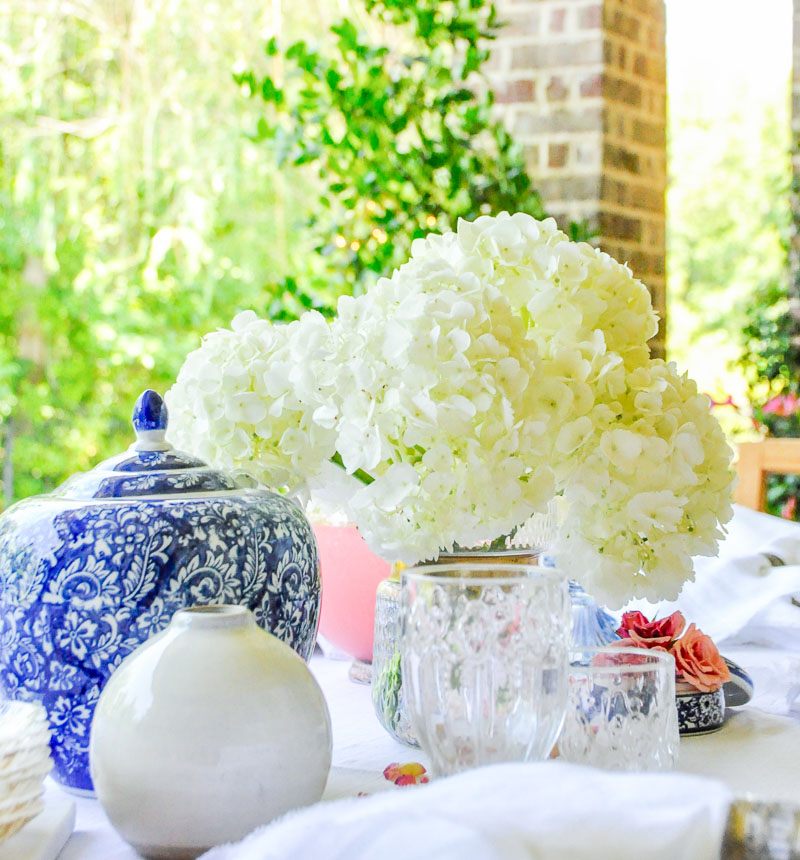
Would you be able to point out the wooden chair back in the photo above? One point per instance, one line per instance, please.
(756, 461)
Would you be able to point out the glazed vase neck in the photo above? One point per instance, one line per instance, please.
(222, 617)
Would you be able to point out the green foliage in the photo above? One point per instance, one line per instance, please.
(387, 689)
(771, 356)
(136, 214)
(728, 216)
(771, 360)
(729, 221)
(397, 130)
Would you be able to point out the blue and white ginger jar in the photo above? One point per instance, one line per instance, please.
(91, 571)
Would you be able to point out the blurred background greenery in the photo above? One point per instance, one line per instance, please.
(141, 219)
(160, 171)
(154, 180)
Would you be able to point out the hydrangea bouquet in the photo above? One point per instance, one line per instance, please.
(500, 366)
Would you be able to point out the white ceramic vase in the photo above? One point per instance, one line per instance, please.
(205, 732)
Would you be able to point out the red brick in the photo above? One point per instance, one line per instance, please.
(557, 20)
(544, 56)
(615, 123)
(624, 25)
(651, 133)
(643, 263)
(557, 154)
(655, 234)
(592, 87)
(658, 69)
(621, 227)
(522, 24)
(528, 122)
(591, 111)
(557, 90)
(651, 8)
(614, 191)
(657, 105)
(591, 18)
(620, 90)
(572, 188)
(645, 197)
(513, 92)
(621, 158)
(523, 90)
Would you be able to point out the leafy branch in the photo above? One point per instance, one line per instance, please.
(400, 137)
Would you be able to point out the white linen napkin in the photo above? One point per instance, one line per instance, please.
(756, 572)
(547, 811)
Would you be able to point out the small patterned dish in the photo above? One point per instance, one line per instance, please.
(699, 713)
(739, 690)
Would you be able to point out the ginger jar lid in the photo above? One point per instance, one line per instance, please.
(151, 466)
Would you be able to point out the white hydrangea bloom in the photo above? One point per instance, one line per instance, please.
(434, 370)
(651, 493)
(644, 465)
(500, 365)
(258, 397)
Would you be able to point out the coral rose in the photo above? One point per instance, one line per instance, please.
(698, 662)
(642, 633)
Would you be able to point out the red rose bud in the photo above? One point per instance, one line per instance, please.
(651, 634)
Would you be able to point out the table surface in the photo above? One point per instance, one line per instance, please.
(756, 752)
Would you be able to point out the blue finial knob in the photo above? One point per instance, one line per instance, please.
(150, 412)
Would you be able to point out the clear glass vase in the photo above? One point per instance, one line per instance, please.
(484, 661)
(592, 626)
(388, 696)
(530, 544)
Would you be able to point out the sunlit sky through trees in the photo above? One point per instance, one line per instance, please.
(729, 67)
(721, 51)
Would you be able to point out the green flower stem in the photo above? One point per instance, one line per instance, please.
(365, 478)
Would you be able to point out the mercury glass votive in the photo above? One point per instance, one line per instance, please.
(484, 659)
(621, 712)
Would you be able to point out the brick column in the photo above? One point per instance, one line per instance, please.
(582, 86)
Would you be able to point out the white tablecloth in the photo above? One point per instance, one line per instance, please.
(758, 750)
(755, 752)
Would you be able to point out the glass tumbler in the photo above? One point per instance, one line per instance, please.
(484, 652)
(621, 710)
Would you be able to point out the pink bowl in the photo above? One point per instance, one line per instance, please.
(350, 576)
